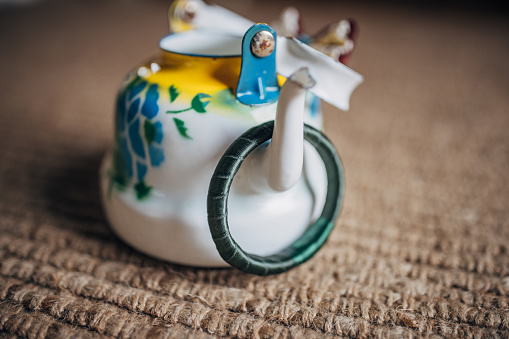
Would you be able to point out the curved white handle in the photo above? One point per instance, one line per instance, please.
(335, 82)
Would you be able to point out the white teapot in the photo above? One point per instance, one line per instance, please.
(209, 165)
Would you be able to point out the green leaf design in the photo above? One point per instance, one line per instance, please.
(150, 131)
(142, 190)
(198, 103)
(118, 174)
(174, 93)
(180, 110)
(181, 128)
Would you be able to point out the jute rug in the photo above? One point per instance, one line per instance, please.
(421, 247)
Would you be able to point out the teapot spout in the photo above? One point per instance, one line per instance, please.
(281, 162)
(284, 156)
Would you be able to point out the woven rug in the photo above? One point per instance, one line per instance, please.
(421, 247)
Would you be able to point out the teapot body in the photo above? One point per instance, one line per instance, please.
(175, 117)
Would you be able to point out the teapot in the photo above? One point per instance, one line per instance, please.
(218, 156)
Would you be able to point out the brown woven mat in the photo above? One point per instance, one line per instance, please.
(421, 247)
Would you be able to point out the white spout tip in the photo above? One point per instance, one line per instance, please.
(303, 78)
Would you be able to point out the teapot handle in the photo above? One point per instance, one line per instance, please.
(305, 246)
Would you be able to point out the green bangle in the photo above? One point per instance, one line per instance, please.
(314, 237)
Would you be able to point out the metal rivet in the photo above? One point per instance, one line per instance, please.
(263, 44)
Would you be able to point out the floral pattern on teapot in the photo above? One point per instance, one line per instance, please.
(139, 129)
(139, 144)
(136, 147)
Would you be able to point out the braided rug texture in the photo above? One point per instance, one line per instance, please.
(421, 247)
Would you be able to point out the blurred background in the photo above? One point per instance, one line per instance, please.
(421, 245)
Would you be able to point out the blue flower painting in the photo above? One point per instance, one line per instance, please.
(138, 137)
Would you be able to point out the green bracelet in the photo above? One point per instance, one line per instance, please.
(314, 237)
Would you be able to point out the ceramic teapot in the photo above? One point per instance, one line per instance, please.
(218, 158)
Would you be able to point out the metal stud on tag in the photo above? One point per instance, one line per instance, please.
(263, 44)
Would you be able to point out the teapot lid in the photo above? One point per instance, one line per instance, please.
(203, 43)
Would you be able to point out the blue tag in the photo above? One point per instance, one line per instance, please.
(258, 83)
